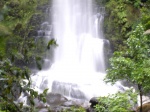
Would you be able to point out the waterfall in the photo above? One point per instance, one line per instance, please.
(76, 31)
(78, 67)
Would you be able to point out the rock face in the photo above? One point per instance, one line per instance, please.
(145, 108)
(57, 103)
(55, 99)
(68, 89)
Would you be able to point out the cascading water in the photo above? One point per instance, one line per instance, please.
(78, 67)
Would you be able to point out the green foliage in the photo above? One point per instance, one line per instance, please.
(17, 29)
(19, 12)
(17, 51)
(145, 17)
(75, 109)
(4, 30)
(2, 46)
(119, 102)
(132, 64)
(122, 28)
(116, 22)
(51, 42)
(101, 2)
(135, 3)
(10, 89)
(121, 17)
(13, 83)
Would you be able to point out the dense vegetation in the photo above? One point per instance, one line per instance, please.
(119, 102)
(133, 64)
(125, 24)
(18, 51)
(17, 26)
(122, 16)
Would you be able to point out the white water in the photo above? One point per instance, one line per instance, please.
(79, 67)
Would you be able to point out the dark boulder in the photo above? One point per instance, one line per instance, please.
(93, 101)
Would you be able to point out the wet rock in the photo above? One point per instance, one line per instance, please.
(39, 104)
(55, 99)
(69, 104)
(73, 103)
(43, 110)
(68, 89)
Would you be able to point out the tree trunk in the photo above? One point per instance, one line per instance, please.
(141, 94)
